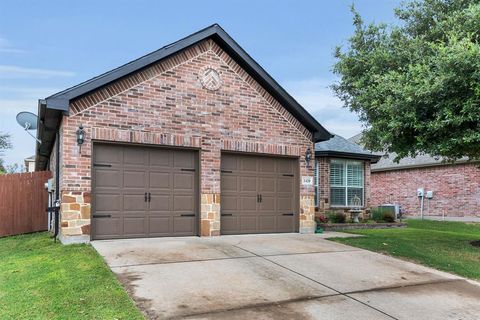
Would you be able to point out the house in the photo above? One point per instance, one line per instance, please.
(450, 189)
(29, 164)
(192, 139)
(342, 172)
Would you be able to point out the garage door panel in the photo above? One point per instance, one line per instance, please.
(134, 202)
(135, 226)
(184, 225)
(248, 164)
(159, 225)
(184, 160)
(108, 154)
(256, 192)
(133, 156)
(285, 205)
(284, 223)
(108, 202)
(248, 184)
(286, 185)
(160, 158)
(248, 203)
(160, 202)
(266, 184)
(184, 203)
(266, 165)
(266, 223)
(134, 179)
(286, 166)
(160, 180)
(268, 203)
(249, 223)
(183, 181)
(229, 202)
(108, 178)
(229, 183)
(106, 228)
(120, 191)
(230, 224)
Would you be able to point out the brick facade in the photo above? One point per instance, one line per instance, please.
(456, 189)
(324, 187)
(165, 104)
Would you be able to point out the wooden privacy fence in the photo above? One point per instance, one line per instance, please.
(23, 201)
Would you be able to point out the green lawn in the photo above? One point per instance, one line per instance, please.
(40, 279)
(441, 245)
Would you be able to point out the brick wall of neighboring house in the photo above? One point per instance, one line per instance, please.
(324, 187)
(165, 104)
(456, 189)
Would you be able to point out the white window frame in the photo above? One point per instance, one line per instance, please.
(345, 185)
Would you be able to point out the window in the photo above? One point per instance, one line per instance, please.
(346, 182)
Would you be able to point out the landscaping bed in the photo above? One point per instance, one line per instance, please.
(40, 279)
(353, 226)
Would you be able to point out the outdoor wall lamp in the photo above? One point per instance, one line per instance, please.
(308, 156)
(80, 137)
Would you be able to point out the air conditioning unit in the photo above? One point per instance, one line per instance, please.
(396, 209)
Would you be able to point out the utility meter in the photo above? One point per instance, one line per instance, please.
(420, 192)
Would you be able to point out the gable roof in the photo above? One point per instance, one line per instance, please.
(387, 162)
(341, 147)
(53, 107)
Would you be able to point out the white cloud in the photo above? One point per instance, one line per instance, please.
(6, 46)
(15, 72)
(315, 95)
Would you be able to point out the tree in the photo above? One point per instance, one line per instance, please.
(416, 85)
(4, 144)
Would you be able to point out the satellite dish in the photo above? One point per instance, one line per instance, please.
(28, 121)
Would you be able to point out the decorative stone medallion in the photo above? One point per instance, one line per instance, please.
(210, 79)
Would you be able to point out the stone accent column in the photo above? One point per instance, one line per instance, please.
(210, 215)
(323, 184)
(210, 187)
(307, 214)
(75, 217)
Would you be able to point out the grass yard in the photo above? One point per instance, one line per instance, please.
(43, 280)
(437, 244)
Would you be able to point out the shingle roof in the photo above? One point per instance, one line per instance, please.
(387, 162)
(341, 147)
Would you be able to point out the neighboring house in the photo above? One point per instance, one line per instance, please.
(455, 188)
(29, 164)
(342, 172)
(192, 139)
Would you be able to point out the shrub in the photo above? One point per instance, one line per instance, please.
(336, 217)
(382, 215)
(321, 218)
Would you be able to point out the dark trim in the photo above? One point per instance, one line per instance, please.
(348, 155)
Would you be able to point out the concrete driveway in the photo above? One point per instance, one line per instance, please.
(281, 276)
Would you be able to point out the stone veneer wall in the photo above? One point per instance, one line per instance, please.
(166, 104)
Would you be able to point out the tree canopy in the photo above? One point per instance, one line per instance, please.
(4, 144)
(416, 85)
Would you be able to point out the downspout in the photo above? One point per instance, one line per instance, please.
(57, 185)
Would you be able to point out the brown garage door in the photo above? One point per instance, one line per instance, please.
(143, 192)
(259, 194)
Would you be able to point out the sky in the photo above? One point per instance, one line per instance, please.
(47, 46)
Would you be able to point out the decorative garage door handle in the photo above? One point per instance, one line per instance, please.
(226, 171)
(187, 215)
(288, 175)
(288, 214)
(102, 165)
(102, 216)
(193, 170)
(227, 214)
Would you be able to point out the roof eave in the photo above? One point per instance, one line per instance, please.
(349, 155)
